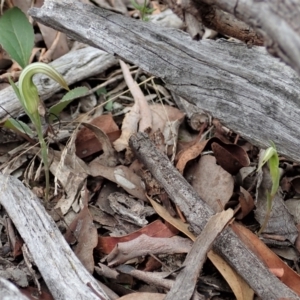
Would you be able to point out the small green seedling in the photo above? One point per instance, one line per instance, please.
(27, 94)
(143, 9)
(270, 157)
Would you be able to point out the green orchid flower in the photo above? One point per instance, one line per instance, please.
(30, 100)
(270, 157)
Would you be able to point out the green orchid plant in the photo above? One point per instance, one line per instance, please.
(27, 94)
(270, 157)
(18, 42)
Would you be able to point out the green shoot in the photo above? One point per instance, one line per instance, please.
(270, 157)
(29, 99)
(143, 9)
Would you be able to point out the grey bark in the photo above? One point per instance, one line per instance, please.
(216, 19)
(74, 66)
(63, 273)
(277, 21)
(252, 93)
(8, 291)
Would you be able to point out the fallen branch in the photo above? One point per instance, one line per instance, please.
(197, 212)
(63, 273)
(74, 66)
(217, 20)
(276, 21)
(9, 291)
(251, 92)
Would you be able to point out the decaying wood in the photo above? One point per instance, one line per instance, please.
(197, 212)
(9, 292)
(74, 66)
(251, 92)
(63, 273)
(277, 21)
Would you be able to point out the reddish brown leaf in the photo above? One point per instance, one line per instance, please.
(86, 141)
(85, 232)
(230, 157)
(33, 294)
(154, 229)
(289, 277)
(189, 154)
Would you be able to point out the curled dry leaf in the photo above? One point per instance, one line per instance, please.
(85, 232)
(122, 176)
(71, 172)
(87, 142)
(293, 206)
(296, 184)
(145, 123)
(129, 127)
(154, 229)
(190, 154)
(230, 157)
(145, 245)
(109, 156)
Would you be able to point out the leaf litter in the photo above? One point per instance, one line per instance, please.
(115, 214)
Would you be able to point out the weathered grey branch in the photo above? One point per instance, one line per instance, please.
(250, 92)
(277, 21)
(216, 19)
(9, 292)
(197, 212)
(74, 66)
(63, 273)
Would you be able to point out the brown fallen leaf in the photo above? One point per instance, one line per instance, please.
(145, 245)
(154, 229)
(190, 154)
(122, 176)
(230, 157)
(212, 183)
(86, 141)
(145, 123)
(85, 232)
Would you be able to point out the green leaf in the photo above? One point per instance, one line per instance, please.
(101, 91)
(14, 125)
(16, 35)
(109, 106)
(274, 172)
(66, 100)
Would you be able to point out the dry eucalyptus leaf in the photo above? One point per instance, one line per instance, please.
(212, 183)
